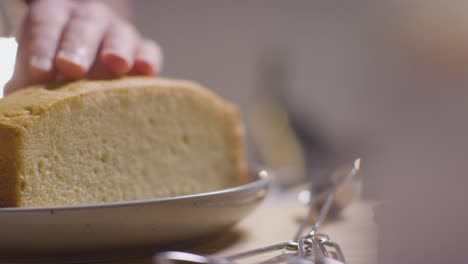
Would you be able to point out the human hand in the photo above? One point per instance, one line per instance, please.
(74, 39)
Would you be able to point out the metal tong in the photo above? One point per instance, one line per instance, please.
(308, 248)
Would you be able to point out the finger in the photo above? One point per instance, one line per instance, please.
(99, 72)
(118, 48)
(45, 22)
(149, 59)
(81, 40)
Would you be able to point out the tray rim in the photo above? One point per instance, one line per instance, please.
(262, 180)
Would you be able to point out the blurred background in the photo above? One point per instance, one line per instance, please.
(308, 59)
(323, 81)
(320, 82)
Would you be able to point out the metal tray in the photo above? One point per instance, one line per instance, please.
(126, 225)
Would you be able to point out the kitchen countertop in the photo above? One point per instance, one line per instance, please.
(278, 218)
(277, 221)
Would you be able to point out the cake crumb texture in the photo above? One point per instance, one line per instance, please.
(135, 138)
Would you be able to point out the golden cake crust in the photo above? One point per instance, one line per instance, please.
(22, 109)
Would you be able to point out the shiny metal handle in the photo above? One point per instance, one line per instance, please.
(308, 249)
(175, 257)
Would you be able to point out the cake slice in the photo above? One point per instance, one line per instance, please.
(91, 142)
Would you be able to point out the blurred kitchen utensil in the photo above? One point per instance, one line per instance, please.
(275, 141)
(287, 143)
(311, 248)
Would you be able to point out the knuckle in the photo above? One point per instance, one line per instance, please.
(48, 12)
(44, 18)
(122, 27)
(122, 30)
(91, 10)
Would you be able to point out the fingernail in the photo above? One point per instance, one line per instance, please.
(61, 78)
(145, 68)
(41, 63)
(117, 53)
(77, 57)
(116, 65)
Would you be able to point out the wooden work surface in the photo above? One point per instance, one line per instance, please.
(277, 220)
